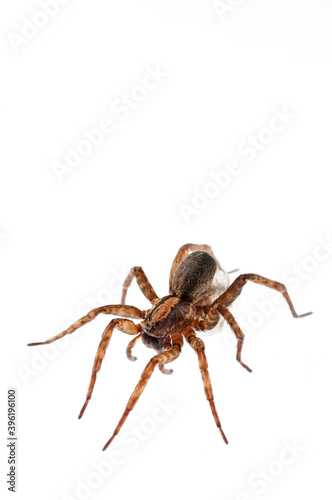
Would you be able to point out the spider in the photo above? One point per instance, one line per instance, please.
(198, 300)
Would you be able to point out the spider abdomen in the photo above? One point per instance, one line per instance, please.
(193, 277)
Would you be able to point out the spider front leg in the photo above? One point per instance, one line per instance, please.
(143, 283)
(236, 288)
(160, 359)
(117, 310)
(198, 345)
(212, 319)
(126, 326)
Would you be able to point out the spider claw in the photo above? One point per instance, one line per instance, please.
(83, 409)
(109, 442)
(223, 435)
(36, 343)
(305, 314)
(246, 367)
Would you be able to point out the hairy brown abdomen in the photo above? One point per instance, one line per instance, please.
(193, 277)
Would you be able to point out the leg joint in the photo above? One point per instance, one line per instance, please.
(136, 269)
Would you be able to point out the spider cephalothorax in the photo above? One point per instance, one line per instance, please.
(198, 300)
(167, 316)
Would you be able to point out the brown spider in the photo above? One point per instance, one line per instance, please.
(198, 299)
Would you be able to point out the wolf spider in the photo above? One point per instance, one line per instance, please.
(198, 300)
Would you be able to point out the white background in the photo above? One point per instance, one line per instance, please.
(65, 242)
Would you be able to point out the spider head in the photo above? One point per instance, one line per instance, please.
(168, 315)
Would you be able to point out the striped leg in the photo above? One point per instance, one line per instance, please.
(198, 345)
(159, 359)
(118, 310)
(126, 326)
(143, 283)
(236, 288)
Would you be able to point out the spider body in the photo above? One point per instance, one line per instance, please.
(191, 285)
(198, 301)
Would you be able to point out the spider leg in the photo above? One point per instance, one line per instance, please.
(143, 283)
(232, 271)
(236, 288)
(121, 310)
(183, 252)
(159, 359)
(237, 331)
(126, 326)
(212, 319)
(130, 346)
(167, 345)
(198, 345)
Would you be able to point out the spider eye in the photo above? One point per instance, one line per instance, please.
(158, 323)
